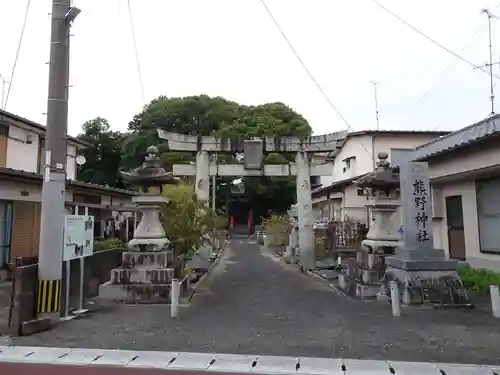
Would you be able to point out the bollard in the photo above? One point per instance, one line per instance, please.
(395, 303)
(339, 261)
(495, 301)
(174, 298)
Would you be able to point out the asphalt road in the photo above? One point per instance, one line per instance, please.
(255, 304)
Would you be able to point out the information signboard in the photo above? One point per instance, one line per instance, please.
(78, 236)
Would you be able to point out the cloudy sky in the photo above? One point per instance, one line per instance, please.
(233, 49)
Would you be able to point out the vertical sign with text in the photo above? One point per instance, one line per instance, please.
(417, 209)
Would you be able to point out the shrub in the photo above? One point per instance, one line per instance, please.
(278, 228)
(107, 244)
(478, 280)
(186, 219)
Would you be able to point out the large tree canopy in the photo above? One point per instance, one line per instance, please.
(103, 157)
(195, 115)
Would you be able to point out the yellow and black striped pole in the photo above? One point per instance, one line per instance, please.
(48, 299)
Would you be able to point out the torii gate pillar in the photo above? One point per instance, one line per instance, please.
(202, 187)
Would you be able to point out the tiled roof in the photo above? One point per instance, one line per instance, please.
(85, 185)
(8, 115)
(461, 138)
(338, 184)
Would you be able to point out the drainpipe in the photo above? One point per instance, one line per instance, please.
(373, 152)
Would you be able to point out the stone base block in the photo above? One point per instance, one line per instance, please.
(135, 293)
(379, 246)
(356, 288)
(367, 291)
(370, 260)
(436, 287)
(149, 244)
(370, 276)
(158, 259)
(125, 276)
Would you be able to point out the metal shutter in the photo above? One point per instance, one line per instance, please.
(25, 229)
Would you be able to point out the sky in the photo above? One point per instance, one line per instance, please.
(232, 48)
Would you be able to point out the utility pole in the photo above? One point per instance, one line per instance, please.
(376, 103)
(50, 258)
(491, 63)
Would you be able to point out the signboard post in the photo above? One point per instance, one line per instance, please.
(78, 243)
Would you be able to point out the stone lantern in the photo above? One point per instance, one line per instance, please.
(365, 273)
(149, 234)
(382, 186)
(146, 273)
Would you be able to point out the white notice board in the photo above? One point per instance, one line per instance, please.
(78, 236)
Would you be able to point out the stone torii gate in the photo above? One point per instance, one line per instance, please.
(254, 151)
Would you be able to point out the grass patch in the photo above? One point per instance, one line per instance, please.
(478, 280)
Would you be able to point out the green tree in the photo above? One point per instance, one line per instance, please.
(103, 157)
(186, 220)
(204, 115)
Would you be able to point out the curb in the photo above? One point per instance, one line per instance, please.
(205, 275)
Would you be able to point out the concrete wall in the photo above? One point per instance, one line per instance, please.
(21, 154)
(97, 269)
(460, 170)
(71, 162)
(366, 147)
(474, 256)
(16, 191)
(354, 206)
(359, 147)
(386, 142)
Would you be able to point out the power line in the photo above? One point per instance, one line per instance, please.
(26, 12)
(430, 39)
(450, 65)
(136, 51)
(276, 23)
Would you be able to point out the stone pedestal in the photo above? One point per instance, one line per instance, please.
(363, 277)
(425, 277)
(146, 274)
(144, 277)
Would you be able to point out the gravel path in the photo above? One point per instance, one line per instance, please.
(254, 304)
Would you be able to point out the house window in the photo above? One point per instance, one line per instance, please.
(361, 192)
(349, 163)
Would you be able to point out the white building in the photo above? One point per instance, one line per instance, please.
(338, 197)
(21, 163)
(464, 169)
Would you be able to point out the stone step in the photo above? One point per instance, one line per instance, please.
(140, 276)
(135, 293)
(160, 259)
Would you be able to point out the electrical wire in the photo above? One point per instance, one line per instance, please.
(136, 51)
(479, 30)
(450, 65)
(430, 39)
(304, 66)
(16, 59)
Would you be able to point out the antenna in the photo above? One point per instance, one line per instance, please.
(4, 84)
(375, 83)
(491, 63)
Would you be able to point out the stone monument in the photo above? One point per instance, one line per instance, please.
(363, 275)
(421, 271)
(145, 274)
